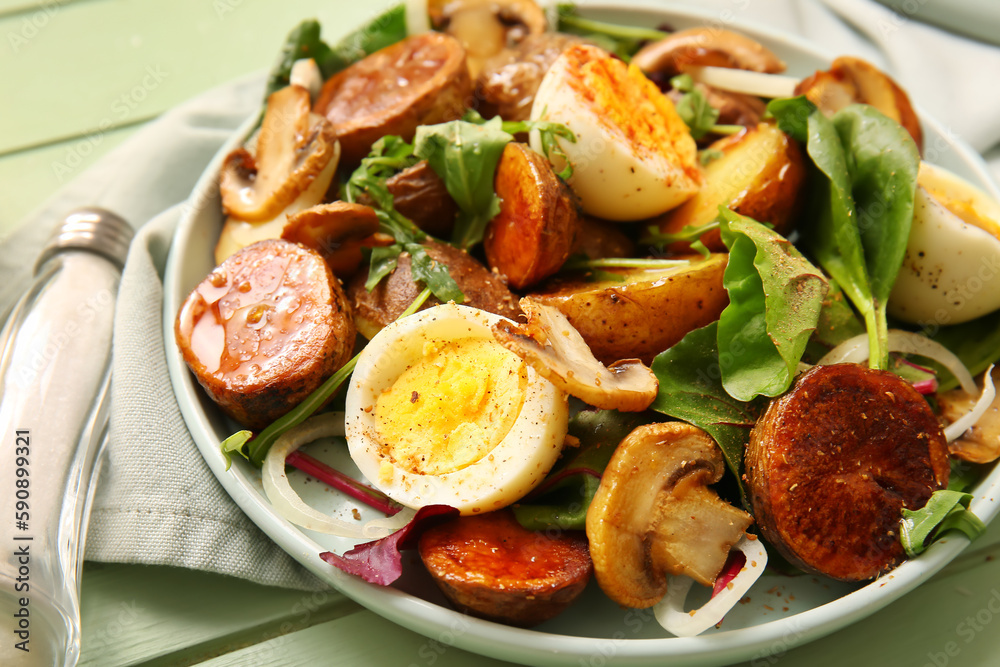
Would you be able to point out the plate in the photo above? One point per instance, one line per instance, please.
(796, 609)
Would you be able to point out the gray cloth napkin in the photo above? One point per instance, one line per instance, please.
(157, 502)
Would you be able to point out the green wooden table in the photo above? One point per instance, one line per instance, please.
(78, 77)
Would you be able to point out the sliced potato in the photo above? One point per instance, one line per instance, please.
(852, 80)
(638, 313)
(531, 237)
(597, 239)
(366, 101)
(761, 174)
(420, 194)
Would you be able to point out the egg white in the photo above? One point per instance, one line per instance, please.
(951, 271)
(514, 467)
(616, 176)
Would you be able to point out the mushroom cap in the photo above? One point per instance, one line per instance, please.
(707, 47)
(294, 146)
(554, 348)
(337, 231)
(657, 471)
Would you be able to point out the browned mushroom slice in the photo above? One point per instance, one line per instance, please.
(550, 344)
(654, 516)
(981, 443)
(337, 231)
(509, 80)
(293, 148)
(707, 47)
(852, 80)
(487, 27)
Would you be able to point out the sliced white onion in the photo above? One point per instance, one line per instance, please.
(417, 19)
(955, 429)
(288, 503)
(743, 81)
(855, 350)
(670, 611)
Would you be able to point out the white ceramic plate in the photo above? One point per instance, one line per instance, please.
(794, 609)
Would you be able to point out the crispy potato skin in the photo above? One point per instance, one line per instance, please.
(531, 237)
(645, 312)
(264, 329)
(365, 101)
(852, 80)
(761, 174)
(482, 289)
(489, 566)
(832, 463)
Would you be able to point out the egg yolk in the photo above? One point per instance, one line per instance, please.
(452, 406)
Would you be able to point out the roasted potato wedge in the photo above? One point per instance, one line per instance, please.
(489, 566)
(366, 101)
(533, 234)
(638, 313)
(264, 329)
(482, 289)
(852, 80)
(760, 174)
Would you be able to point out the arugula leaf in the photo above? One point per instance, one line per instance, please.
(548, 132)
(304, 42)
(693, 107)
(945, 511)
(382, 262)
(691, 390)
(689, 233)
(775, 298)
(465, 156)
(433, 274)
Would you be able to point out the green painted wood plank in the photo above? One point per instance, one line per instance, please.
(359, 639)
(160, 615)
(30, 177)
(97, 65)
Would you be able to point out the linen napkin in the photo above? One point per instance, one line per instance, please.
(157, 502)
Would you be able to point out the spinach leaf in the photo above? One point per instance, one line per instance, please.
(837, 323)
(465, 156)
(621, 40)
(775, 298)
(304, 42)
(548, 132)
(691, 390)
(945, 511)
(870, 166)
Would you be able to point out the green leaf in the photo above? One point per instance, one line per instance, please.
(304, 42)
(623, 41)
(883, 161)
(945, 511)
(693, 107)
(234, 443)
(433, 274)
(465, 156)
(687, 233)
(691, 390)
(383, 261)
(775, 298)
(837, 323)
(792, 114)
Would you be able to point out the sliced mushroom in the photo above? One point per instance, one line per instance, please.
(550, 344)
(337, 231)
(852, 80)
(654, 516)
(487, 27)
(294, 147)
(707, 47)
(981, 443)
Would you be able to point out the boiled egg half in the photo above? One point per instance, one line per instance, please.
(438, 412)
(634, 156)
(951, 270)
